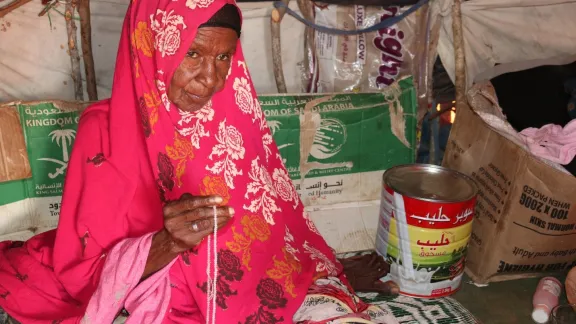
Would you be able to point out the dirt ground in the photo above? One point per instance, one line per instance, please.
(507, 302)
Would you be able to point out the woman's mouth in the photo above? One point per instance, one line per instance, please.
(196, 97)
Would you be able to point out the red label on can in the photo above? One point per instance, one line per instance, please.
(441, 292)
(433, 215)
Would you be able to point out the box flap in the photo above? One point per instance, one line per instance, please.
(14, 164)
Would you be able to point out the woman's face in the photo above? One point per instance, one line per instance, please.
(203, 71)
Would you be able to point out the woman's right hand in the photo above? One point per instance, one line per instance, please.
(188, 220)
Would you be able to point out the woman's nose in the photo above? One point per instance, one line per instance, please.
(208, 73)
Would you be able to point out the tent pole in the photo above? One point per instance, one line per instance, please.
(73, 50)
(459, 54)
(306, 7)
(275, 21)
(86, 41)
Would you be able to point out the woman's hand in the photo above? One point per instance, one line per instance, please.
(190, 219)
(187, 221)
(364, 273)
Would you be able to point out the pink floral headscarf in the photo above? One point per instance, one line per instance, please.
(136, 151)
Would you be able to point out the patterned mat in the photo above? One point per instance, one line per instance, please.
(408, 310)
(5, 319)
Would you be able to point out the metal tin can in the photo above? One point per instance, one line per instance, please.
(426, 216)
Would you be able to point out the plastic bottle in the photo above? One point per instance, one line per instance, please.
(545, 299)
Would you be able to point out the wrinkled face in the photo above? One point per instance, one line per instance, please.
(203, 71)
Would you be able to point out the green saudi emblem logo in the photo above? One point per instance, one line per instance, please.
(329, 139)
(64, 138)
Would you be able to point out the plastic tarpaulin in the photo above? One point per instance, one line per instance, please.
(516, 34)
(34, 63)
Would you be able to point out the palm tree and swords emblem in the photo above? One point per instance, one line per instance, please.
(63, 138)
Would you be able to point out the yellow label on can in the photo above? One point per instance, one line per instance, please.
(426, 235)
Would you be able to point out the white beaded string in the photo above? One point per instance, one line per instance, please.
(215, 261)
(212, 273)
(208, 280)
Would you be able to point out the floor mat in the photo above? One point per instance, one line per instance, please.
(5, 319)
(408, 310)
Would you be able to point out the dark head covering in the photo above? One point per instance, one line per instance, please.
(227, 17)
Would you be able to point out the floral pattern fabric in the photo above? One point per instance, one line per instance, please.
(136, 151)
(329, 300)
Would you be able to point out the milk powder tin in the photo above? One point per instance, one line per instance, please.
(425, 224)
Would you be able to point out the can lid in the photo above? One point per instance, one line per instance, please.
(540, 314)
(430, 182)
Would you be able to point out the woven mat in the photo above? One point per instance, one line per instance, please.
(408, 310)
(5, 319)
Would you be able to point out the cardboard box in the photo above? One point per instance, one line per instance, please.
(13, 156)
(525, 223)
(347, 141)
(31, 205)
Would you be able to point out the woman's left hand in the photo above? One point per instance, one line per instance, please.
(364, 273)
(190, 219)
(187, 221)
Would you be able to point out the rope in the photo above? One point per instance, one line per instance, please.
(328, 30)
(212, 272)
(208, 280)
(215, 273)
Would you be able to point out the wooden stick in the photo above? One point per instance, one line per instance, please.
(432, 145)
(432, 55)
(73, 49)
(47, 8)
(86, 39)
(275, 20)
(459, 54)
(12, 6)
(307, 9)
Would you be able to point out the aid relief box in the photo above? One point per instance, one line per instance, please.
(336, 148)
(347, 141)
(525, 223)
(43, 133)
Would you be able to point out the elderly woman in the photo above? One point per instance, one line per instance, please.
(181, 150)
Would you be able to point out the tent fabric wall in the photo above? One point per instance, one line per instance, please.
(35, 64)
(517, 34)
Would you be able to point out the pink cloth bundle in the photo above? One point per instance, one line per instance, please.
(146, 302)
(552, 142)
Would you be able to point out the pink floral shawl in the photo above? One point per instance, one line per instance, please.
(135, 151)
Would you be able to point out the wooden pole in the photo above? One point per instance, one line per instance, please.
(73, 49)
(432, 147)
(459, 54)
(86, 41)
(307, 9)
(275, 20)
(12, 6)
(421, 69)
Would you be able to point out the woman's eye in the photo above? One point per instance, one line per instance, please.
(192, 54)
(224, 57)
